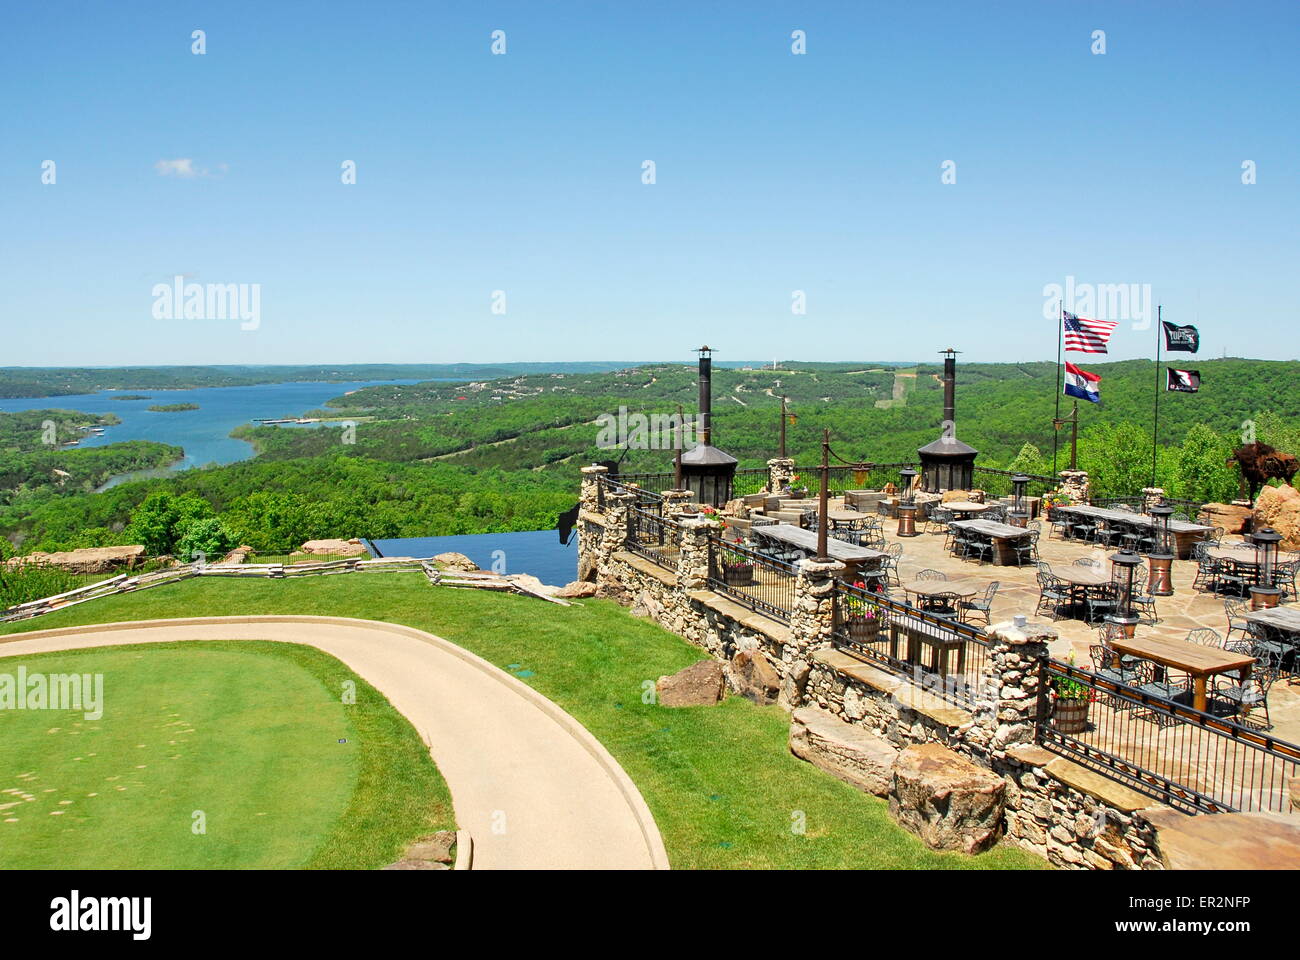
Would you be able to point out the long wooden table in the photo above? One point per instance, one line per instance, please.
(1196, 661)
(853, 557)
(1002, 535)
(1185, 534)
(1284, 619)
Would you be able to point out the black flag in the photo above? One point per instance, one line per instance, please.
(1183, 381)
(1187, 339)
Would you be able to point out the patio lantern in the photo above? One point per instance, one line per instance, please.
(907, 504)
(1019, 516)
(1263, 593)
(1123, 564)
(1161, 557)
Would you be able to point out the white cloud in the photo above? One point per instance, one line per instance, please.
(183, 167)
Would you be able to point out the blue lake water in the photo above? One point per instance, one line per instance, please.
(203, 433)
(538, 552)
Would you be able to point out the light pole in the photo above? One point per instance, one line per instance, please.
(823, 521)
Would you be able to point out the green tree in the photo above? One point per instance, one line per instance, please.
(1202, 470)
(203, 536)
(158, 521)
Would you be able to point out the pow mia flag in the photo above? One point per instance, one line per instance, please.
(1187, 339)
(1183, 381)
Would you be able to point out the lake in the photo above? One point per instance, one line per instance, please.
(538, 552)
(203, 433)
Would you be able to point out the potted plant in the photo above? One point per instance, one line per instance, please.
(737, 569)
(862, 618)
(1070, 702)
(796, 491)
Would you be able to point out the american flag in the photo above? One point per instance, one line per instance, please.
(1087, 336)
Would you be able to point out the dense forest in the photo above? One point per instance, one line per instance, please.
(504, 454)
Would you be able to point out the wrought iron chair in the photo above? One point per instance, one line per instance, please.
(929, 573)
(1143, 601)
(1153, 684)
(1053, 591)
(1284, 578)
(944, 604)
(1026, 548)
(1087, 562)
(1207, 567)
(938, 520)
(1236, 611)
(1205, 637)
(984, 605)
(890, 563)
(1102, 600)
(1231, 697)
(978, 548)
(1109, 665)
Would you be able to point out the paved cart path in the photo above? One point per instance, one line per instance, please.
(530, 784)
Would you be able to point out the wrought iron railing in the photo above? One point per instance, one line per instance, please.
(998, 482)
(651, 536)
(858, 476)
(750, 480)
(938, 652)
(646, 498)
(1190, 760)
(762, 583)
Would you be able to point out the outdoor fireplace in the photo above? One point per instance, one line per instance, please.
(947, 463)
(707, 471)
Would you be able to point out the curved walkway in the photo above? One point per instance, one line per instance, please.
(531, 785)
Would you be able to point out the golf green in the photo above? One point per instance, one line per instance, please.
(233, 754)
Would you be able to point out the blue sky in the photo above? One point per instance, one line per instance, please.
(523, 173)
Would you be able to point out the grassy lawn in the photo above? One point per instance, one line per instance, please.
(721, 782)
(253, 734)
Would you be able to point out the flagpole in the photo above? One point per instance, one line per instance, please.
(1155, 420)
(1056, 420)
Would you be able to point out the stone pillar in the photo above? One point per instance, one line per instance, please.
(1075, 485)
(693, 559)
(590, 498)
(1007, 708)
(617, 514)
(1152, 497)
(676, 502)
(812, 625)
(779, 472)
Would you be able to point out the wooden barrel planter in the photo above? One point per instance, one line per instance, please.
(1070, 716)
(739, 575)
(864, 630)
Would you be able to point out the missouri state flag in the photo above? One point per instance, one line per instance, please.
(1081, 384)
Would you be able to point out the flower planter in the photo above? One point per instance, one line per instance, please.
(741, 575)
(1070, 716)
(864, 631)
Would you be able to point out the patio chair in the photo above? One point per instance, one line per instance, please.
(984, 605)
(1143, 602)
(1087, 562)
(938, 520)
(1058, 522)
(979, 548)
(1205, 637)
(1267, 645)
(1284, 578)
(1207, 568)
(1150, 682)
(1108, 665)
(929, 573)
(1107, 534)
(890, 563)
(944, 604)
(1230, 697)
(1026, 548)
(1236, 611)
(1102, 600)
(1051, 591)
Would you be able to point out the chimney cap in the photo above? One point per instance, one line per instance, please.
(705, 349)
(950, 352)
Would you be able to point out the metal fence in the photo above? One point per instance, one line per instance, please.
(750, 480)
(998, 482)
(858, 476)
(646, 498)
(1180, 756)
(759, 582)
(651, 536)
(940, 653)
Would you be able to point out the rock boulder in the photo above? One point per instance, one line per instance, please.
(751, 675)
(699, 685)
(846, 750)
(1233, 517)
(341, 548)
(1279, 508)
(87, 560)
(946, 800)
(455, 561)
(576, 590)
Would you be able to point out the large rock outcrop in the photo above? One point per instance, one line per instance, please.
(338, 548)
(1279, 508)
(455, 561)
(88, 560)
(846, 750)
(752, 676)
(946, 800)
(1233, 517)
(699, 685)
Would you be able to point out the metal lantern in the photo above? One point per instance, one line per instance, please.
(1019, 515)
(1123, 565)
(1263, 593)
(1161, 557)
(906, 504)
